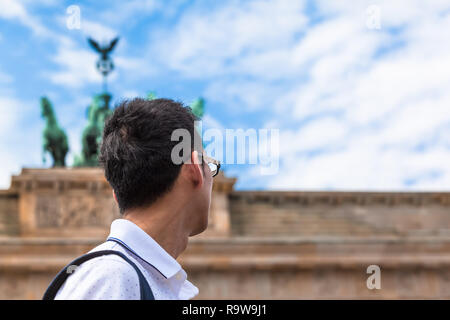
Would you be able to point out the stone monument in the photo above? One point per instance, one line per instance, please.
(258, 244)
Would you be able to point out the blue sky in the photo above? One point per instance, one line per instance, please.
(358, 91)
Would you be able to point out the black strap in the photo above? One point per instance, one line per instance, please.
(52, 290)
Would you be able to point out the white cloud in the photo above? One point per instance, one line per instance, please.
(232, 92)
(15, 135)
(120, 12)
(77, 67)
(357, 108)
(15, 10)
(209, 122)
(98, 31)
(322, 133)
(129, 94)
(375, 102)
(8, 118)
(205, 44)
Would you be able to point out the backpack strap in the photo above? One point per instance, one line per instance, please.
(55, 285)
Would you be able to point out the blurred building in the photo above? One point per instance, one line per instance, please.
(259, 245)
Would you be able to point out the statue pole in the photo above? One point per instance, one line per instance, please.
(104, 64)
(98, 111)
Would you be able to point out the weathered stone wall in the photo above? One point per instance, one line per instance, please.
(259, 245)
(9, 213)
(64, 202)
(27, 265)
(323, 283)
(319, 268)
(362, 214)
(261, 268)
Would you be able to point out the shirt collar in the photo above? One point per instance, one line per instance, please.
(142, 245)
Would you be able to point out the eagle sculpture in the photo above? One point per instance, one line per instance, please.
(104, 65)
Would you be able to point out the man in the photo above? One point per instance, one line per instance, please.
(162, 204)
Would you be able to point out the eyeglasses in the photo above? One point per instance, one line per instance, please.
(213, 165)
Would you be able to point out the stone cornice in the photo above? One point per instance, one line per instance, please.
(333, 198)
(60, 180)
(8, 193)
(91, 179)
(236, 241)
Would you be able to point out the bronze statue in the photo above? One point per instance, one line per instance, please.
(54, 138)
(151, 95)
(104, 64)
(97, 112)
(198, 107)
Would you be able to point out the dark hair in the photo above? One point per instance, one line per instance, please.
(136, 149)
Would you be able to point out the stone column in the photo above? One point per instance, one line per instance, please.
(219, 219)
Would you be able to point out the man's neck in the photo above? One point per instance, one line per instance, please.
(165, 226)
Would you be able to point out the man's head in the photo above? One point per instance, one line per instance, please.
(136, 155)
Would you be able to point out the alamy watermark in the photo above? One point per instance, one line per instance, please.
(231, 146)
(374, 280)
(373, 17)
(71, 268)
(73, 20)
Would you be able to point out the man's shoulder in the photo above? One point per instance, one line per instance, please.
(104, 277)
(108, 264)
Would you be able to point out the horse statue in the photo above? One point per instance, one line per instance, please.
(54, 138)
(198, 107)
(151, 95)
(97, 112)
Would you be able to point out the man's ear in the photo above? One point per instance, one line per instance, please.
(114, 195)
(196, 168)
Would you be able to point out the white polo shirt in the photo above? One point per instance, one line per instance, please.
(111, 277)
